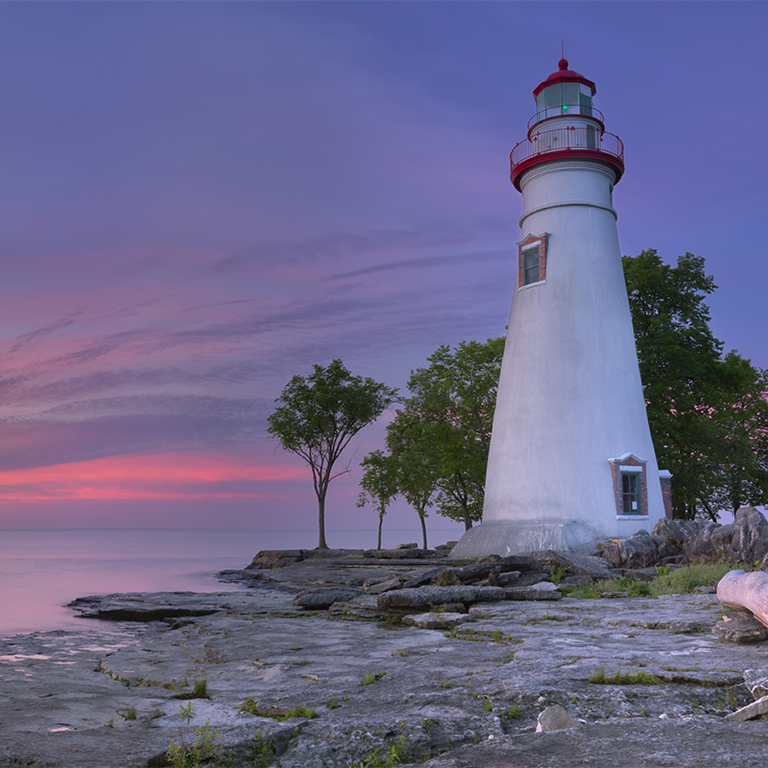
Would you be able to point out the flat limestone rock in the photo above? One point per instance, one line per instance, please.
(554, 718)
(436, 621)
(755, 709)
(326, 596)
(143, 608)
(423, 598)
(383, 586)
(741, 628)
(541, 591)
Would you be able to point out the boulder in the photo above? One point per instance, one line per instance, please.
(325, 596)
(672, 536)
(638, 551)
(554, 718)
(507, 579)
(712, 543)
(578, 565)
(752, 542)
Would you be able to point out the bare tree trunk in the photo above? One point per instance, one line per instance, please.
(423, 529)
(381, 522)
(321, 519)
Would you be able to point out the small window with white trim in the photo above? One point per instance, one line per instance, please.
(630, 485)
(532, 260)
(631, 493)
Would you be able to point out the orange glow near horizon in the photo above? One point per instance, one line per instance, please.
(156, 476)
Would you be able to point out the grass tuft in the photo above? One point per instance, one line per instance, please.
(639, 678)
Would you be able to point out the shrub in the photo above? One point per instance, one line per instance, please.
(687, 578)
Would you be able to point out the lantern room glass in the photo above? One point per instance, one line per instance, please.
(564, 99)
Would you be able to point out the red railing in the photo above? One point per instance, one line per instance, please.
(576, 137)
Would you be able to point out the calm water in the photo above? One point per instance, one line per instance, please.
(40, 571)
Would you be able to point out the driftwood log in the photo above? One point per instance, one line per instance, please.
(745, 591)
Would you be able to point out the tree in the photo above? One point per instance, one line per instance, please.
(446, 426)
(415, 466)
(379, 484)
(707, 413)
(318, 417)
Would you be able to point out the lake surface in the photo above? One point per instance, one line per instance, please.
(42, 570)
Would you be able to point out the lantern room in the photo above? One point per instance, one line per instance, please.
(564, 93)
(566, 126)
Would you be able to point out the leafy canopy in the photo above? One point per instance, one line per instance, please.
(707, 412)
(319, 416)
(439, 440)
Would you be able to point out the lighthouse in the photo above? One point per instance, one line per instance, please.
(571, 457)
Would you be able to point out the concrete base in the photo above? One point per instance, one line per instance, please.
(527, 538)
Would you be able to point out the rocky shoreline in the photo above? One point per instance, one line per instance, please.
(321, 660)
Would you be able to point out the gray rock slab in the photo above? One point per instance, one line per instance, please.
(465, 697)
(423, 598)
(436, 621)
(541, 591)
(756, 681)
(384, 586)
(751, 711)
(741, 628)
(325, 596)
(579, 565)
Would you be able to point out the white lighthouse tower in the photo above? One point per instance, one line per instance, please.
(571, 458)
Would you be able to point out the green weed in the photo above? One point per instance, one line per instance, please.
(557, 573)
(203, 748)
(640, 678)
(512, 714)
(251, 706)
(372, 678)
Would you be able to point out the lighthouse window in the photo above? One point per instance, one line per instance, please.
(630, 485)
(585, 100)
(554, 97)
(570, 97)
(531, 265)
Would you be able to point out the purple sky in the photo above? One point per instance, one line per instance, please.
(199, 200)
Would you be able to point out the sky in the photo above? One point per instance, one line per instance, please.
(200, 200)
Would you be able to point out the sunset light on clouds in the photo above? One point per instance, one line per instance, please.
(200, 200)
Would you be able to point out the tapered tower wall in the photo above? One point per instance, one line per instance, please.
(570, 417)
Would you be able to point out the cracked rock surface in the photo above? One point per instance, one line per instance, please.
(110, 695)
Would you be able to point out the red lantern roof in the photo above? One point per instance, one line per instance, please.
(564, 75)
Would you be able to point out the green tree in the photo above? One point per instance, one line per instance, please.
(379, 484)
(448, 422)
(415, 463)
(705, 411)
(318, 417)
